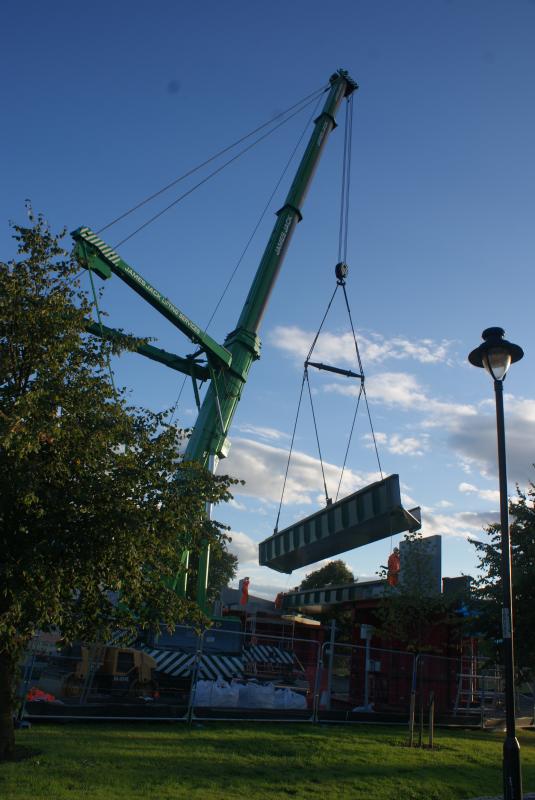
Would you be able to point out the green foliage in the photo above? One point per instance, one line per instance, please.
(489, 589)
(223, 569)
(408, 612)
(332, 574)
(94, 499)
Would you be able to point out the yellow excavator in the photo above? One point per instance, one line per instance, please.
(116, 670)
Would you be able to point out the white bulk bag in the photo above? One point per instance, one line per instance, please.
(225, 695)
(203, 693)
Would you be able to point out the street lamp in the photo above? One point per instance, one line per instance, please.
(496, 355)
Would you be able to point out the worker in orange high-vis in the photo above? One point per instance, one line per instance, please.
(244, 585)
(394, 564)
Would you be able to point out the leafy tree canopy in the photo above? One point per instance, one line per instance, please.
(332, 574)
(223, 569)
(94, 499)
(489, 588)
(408, 612)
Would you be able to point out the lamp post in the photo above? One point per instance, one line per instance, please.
(496, 355)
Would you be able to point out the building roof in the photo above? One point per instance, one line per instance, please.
(230, 598)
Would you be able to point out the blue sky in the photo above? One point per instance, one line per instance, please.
(103, 105)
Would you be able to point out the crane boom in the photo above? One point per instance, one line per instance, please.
(209, 437)
(228, 365)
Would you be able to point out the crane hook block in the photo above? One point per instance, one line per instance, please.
(341, 271)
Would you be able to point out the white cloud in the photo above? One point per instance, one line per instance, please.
(399, 445)
(269, 434)
(467, 487)
(339, 349)
(492, 495)
(244, 547)
(466, 464)
(466, 524)
(403, 390)
(471, 429)
(475, 439)
(407, 446)
(381, 438)
(236, 505)
(444, 504)
(262, 466)
(408, 501)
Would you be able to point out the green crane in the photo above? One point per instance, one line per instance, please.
(227, 365)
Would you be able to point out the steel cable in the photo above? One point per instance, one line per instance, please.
(209, 176)
(363, 381)
(251, 237)
(262, 215)
(317, 437)
(290, 453)
(208, 161)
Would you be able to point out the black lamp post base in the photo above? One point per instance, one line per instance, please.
(512, 776)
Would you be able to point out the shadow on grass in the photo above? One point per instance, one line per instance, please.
(22, 754)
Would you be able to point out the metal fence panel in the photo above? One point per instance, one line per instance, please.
(360, 680)
(231, 674)
(181, 676)
(105, 681)
(267, 677)
(438, 676)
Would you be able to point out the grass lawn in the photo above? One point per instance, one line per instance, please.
(220, 761)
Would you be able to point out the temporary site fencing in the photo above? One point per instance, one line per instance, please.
(187, 675)
(222, 674)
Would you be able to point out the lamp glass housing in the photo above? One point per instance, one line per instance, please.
(497, 361)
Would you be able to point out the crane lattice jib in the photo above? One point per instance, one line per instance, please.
(103, 260)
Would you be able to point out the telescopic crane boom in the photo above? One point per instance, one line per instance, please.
(229, 364)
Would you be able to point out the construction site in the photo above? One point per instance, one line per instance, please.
(278, 659)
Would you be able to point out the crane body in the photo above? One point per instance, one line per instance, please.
(227, 365)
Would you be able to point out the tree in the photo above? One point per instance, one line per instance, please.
(489, 587)
(94, 500)
(334, 573)
(223, 569)
(409, 611)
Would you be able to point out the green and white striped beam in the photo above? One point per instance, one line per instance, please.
(366, 516)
